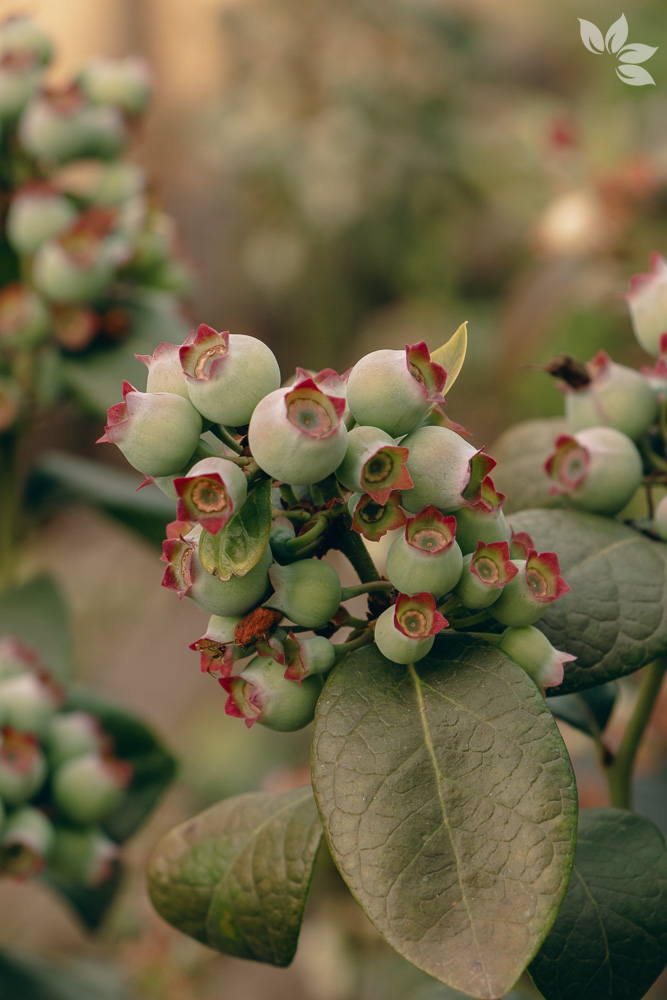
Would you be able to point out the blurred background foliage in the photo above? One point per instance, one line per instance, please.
(346, 176)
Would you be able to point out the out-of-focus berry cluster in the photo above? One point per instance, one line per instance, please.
(83, 237)
(283, 474)
(613, 460)
(59, 778)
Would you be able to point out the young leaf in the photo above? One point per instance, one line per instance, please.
(452, 355)
(617, 35)
(609, 940)
(239, 545)
(637, 53)
(636, 76)
(449, 804)
(236, 877)
(36, 613)
(614, 619)
(591, 36)
(153, 767)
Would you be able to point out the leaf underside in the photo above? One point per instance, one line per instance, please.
(609, 940)
(450, 807)
(614, 620)
(236, 877)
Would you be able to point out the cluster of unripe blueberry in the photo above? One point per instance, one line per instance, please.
(268, 478)
(83, 236)
(617, 417)
(59, 777)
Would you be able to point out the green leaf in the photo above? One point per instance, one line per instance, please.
(449, 803)
(153, 767)
(241, 543)
(90, 903)
(58, 479)
(588, 711)
(614, 620)
(95, 378)
(32, 979)
(521, 453)
(452, 355)
(609, 940)
(236, 876)
(37, 614)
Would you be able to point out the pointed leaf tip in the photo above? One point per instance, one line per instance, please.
(452, 355)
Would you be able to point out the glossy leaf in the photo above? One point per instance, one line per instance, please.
(236, 877)
(449, 803)
(452, 355)
(521, 453)
(240, 544)
(153, 767)
(614, 619)
(37, 614)
(609, 940)
(588, 711)
(58, 479)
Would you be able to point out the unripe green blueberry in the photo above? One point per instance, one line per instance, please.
(405, 632)
(373, 520)
(308, 592)
(531, 649)
(224, 598)
(87, 788)
(482, 522)
(16, 658)
(647, 302)
(485, 572)
(18, 86)
(227, 374)
(165, 373)
(373, 464)
(447, 472)
(25, 843)
(63, 126)
(304, 657)
(597, 469)
(393, 390)
(71, 734)
(24, 42)
(156, 431)
(263, 694)
(213, 490)
(616, 396)
(22, 766)
(24, 318)
(527, 595)
(426, 557)
(70, 272)
(36, 213)
(84, 857)
(124, 83)
(27, 703)
(282, 531)
(297, 435)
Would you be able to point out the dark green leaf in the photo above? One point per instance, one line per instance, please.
(58, 479)
(95, 378)
(449, 802)
(153, 767)
(23, 978)
(236, 877)
(609, 940)
(241, 543)
(89, 903)
(521, 453)
(37, 614)
(588, 711)
(614, 619)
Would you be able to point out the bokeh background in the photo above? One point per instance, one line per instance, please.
(345, 176)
